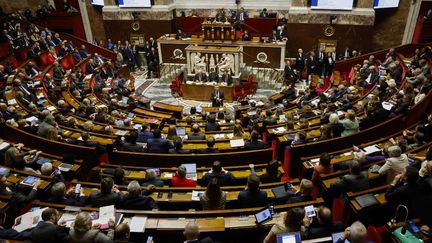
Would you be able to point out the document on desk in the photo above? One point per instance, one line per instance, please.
(371, 149)
(387, 105)
(28, 220)
(279, 130)
(235, 143)
(138, 224)
(196, 195)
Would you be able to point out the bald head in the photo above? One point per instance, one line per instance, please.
(191, 231)
(324, 215)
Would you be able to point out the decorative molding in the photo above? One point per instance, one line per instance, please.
(305, 15)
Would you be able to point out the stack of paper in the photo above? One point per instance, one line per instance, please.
(138, 224)
(371, 149)
(279, 129)
(28, 220)
(235, 143)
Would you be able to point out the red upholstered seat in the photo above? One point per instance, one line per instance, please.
(373, 235)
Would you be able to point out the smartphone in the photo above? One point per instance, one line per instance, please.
(170, 194)
(159, 194)
(77, 188)
(310, 211)
(271, 209)
(149, 239)
(56, 171)
(413, 227)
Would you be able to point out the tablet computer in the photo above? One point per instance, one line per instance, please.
(263, 216)
(288, 238)
(310, 211)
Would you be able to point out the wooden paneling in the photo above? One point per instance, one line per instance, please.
(250, 54)
(121, 29)
(306, 36)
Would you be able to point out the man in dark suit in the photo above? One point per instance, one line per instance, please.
(289, 72)
(85, 136)
(135, 200)
(225, 178)
(210, 147)
(356, 181)
(83, 52)
(246, 36)
(217, 97)
(131, 143)
(48, 230)
(242, 14)
(211, 124)
(213, 76)
(252, 196)
(226, 77)
(264, 13)
(145, 133)
(109, 194)
(200, 76)
(153, 43)
(255, 143)
(60, 196)
(274, 36)
(196, 134)
(180, 34)
(90, 66)
(404, 187)
(371, 79)
(158, 144)
(323, 225)
(191, 233)
(320, 56)
(304, 194)
(178, 148)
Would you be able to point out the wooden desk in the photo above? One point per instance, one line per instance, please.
(218, 31)
(202, 92)
(175, 109)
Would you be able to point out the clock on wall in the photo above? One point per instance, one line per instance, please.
(329, 30)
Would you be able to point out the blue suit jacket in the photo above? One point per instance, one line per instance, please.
(158, 145)
(249, 199)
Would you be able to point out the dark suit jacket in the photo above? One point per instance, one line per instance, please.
(80, 201)
(196, 136)
(207, 151)
(299, 198)
(90, 68)
(300, 62)
(179, 151)
(204, 240)
(97, 199)
(143, 136)
(255, 145)
(403, 194)
(213, 77)
(158, 145)
(227, 78)
(133, 147)
(11, 234)
(212, 126)
(139, 203)
(49, 233)
(213, 97)
(201, 77)
(225, 179)
(250, 199)
(352, 183)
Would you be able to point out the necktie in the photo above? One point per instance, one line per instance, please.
(226, 79)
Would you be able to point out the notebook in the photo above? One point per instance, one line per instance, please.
(235, 143)
(367, 200)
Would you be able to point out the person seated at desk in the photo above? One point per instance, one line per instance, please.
(60, 196)
(145, 133)
(180, 34)
(304, 194)
(180, 180)
(158, 144)
(131, 143)
(122, 233)
(213, 198)
(357, 232)
(274, 36)
(323, 225)
(264, 13)
(191, 233)
(200, 76)
(136, 199)
(272, 173)
(225, 178)
(11, 234)
(404, 187)
(252, 196)
(82, 230)
(50, 229)
(195, 134)
(151, 178)
(212, 125)
(356, 181)
(213, 76)
(210, 147)
(246, 36)
(178, 145)
(226, 77)
(292, 222)
(220, 15)
(109, 194)
(255, 143)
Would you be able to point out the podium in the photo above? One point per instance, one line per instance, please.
(218, 31)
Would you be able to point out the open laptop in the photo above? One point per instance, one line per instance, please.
(191, 172)
(288, 238)
(336, 237)
(181, 131)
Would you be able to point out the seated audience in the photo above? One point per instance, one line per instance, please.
(178, 145)
(83, 232)
(213, 197)
(356, 181)
(50, 230)
(210, 147)
(59, 195)
(394, 165)
(152, 178)
(135, 200)
(404, 187)
(145, 133)
(224, 177)
(255, 143)
(292, 222)
(324, 167)
(356, 233)
(180, 180)
(122, 233)
(323, 225)
(272, 173)
(158, 144)
(304, 194)
(109, 194)
(252, 196)
(191, 233)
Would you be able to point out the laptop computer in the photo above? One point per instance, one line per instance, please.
(181, 131)
(191, 172)
(288, 238)
(336, 237)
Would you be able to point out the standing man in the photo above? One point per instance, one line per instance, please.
(289, 72)
(217, 97)
(300, 61)
(226, 77)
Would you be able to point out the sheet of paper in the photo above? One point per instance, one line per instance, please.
(237, 143)
(371, 149)
(196, 195)
(138, 224)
